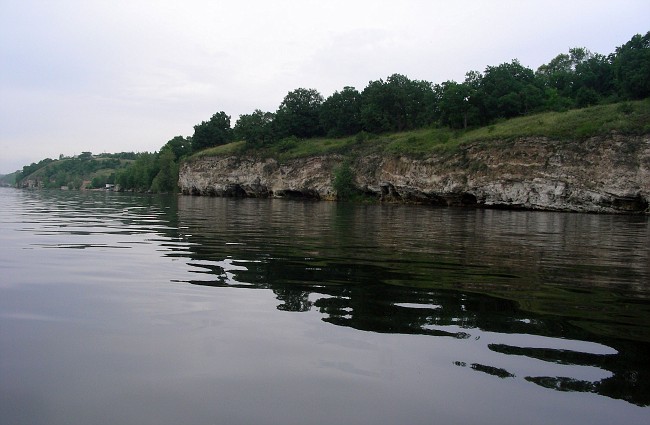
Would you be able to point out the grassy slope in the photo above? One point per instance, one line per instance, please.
(102, 172)
(8, 179)
(625, 118)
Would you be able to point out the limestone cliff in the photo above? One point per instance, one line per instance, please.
(602, 174)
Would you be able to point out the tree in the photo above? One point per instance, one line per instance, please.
(343, 181)
(167, 178)
(586, 97)
(459, 104)
(397, 104)
(632, 67)
(299, 114)
(596, 74)
(139, 175)
(98, 182)
(340, 113)
(179, 145)
(576, 79)
(214, 132)
(256, 128)
(558, 75)
(509, 90)
(376, 108)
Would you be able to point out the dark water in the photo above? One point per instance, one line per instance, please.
(124, 309)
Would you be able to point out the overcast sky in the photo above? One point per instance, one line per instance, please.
(113, 76)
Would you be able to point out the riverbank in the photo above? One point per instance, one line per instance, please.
(603, 174)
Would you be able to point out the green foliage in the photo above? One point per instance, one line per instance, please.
(97, 182)
(625, 118)
(586, 97)
(596, 73)
(151, 172)
(72, 172)
(299, 114)
(397, 104)
(210, 133)
(343, 182)
(454, 104)
(32, 168)
(154, 172)
(180, 146)
(255, 129)
(287, 144)
(363, 136)
(509, 90)
(8, 179)
(340, 113)
(139, 176)
(632, 67)
(419, 143)
(232, 148)
(166, 179)
(577, 78)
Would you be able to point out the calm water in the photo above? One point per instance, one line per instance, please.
(125, 309)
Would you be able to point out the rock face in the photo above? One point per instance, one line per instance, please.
(603, 174)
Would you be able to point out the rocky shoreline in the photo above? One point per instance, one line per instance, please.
(601, 174)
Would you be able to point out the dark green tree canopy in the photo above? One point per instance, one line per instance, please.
(214, 132)
(455, 104)
(632, 67)
(166, 180)
(299, 114)
(179, 145)
(397, 104)
(340, 113)
(509, 90)
(256, 128)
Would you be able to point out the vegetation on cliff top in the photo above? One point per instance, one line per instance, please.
(630, 118)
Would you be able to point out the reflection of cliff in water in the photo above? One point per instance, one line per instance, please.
(531, 286)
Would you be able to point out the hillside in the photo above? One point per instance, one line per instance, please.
(83, 171)
(8, 180)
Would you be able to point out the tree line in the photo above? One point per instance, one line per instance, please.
(575, 79)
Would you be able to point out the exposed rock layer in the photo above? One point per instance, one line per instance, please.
(603, 174)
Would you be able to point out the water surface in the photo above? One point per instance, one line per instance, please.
(118, 308)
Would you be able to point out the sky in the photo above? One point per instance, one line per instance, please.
(121, 76)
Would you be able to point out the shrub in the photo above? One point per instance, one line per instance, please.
(343, 182)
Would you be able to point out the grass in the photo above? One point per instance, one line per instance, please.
(294, 148)
(625, 118)
(221, 150)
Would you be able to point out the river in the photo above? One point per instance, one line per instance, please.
(136, 309)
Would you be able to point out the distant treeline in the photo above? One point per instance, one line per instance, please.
(72, 171)
(575, 79)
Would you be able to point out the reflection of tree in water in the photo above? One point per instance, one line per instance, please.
(629, 368)
(357, 296)
(391, 309)
(292, 299)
